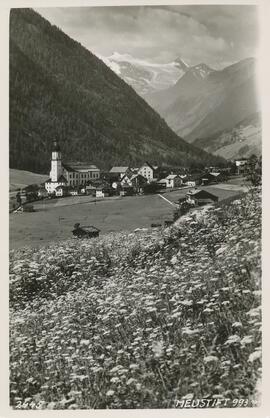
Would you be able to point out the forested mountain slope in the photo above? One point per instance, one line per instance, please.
(58, 89)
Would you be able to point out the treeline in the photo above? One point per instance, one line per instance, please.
(58, 89)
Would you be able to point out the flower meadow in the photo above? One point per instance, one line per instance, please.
(140, 320)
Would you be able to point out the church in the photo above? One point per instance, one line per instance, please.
(70, 174)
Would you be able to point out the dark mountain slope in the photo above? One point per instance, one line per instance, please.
(58, 89)
(243, 140)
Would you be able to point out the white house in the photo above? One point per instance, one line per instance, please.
(147, 171)
(241, 165)
(72, 174)
(134, 180)
(61, 191)
(173, 180)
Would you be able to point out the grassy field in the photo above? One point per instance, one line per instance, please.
(142, 320)
(54, 219)
(55, 223)
(19, 179)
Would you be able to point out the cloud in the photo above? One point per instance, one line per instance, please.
(211, 34)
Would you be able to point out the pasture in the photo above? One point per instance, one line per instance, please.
(19, 179)
(54, 219)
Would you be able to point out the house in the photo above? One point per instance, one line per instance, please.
(90, 190)
(210, 178)
(162, 183)
(61, 191)
(192, 180)
(73, 191)
(102, 192)
(173, 180)
(72, 174)
(126, 180)
(200, 197)
(136, 181)
(119, 172)
(241, 165)
(126, 191)
(147, 171)
(190, 183)
(51, 184)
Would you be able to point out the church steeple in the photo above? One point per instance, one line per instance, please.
(56, 162)
(56, 150)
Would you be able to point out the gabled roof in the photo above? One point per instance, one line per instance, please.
(68, 168)
(149, 165)
(118, 169)
(197, 192)
(171, 176)
(127, 176)
(134, 176)
(62, 179)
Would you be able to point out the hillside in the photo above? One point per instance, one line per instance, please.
(58, 89)
(198, 107)
(141, 320)
(241, 141)
(19, 179)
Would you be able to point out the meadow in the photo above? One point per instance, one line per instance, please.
(54, 219)
(140, 320)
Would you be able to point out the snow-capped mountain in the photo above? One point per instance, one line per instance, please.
(145, 76)
(208, 106)
(200, 71)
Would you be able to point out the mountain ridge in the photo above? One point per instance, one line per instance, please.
(59, 89)
(198, 107)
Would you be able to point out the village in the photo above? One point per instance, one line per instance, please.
(82, 179)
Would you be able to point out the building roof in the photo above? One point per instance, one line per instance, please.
(214, 174)
(197, 192)
(78, 166)
(118, 169)
(62, 179)
(171, 176)
(137, 175)
(149, 165)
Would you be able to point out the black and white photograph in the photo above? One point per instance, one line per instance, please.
(135, 186)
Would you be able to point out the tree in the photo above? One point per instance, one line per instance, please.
(254, 170)
(18, 198)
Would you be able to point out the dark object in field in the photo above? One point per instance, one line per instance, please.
(168, 223)
(85, 231)
(28, 208)
(155, 225)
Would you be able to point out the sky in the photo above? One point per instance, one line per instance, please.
(217, 35)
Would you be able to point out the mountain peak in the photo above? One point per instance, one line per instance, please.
(201, 70)
(180, 63)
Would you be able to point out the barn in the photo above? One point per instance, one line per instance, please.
(201, 197)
